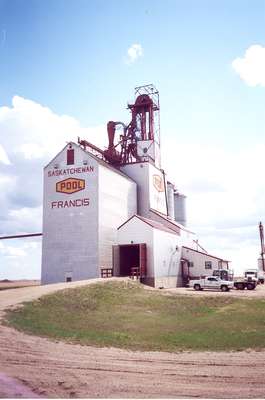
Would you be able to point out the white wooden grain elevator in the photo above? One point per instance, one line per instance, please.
(114, 211)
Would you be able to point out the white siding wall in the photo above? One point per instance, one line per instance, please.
(70, 234)
(187, 237)
(198, 260)
(117, 203)
(167, 259)
(139, 172)
(137, 231)
(163, 260)
(157, 198)
(148, 196)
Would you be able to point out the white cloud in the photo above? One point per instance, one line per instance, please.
(33, 135)
(225, 197)
(251, 68)
(26, 219)
(3, 156)
(134, 52)
(34, 131)
(20, 259)
(10, 251)
(31, 150)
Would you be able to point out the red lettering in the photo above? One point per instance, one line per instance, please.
(70, 171)
(70, 203)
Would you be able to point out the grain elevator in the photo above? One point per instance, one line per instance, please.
(113, 211)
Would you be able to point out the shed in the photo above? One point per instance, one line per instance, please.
(152, 246)
(196, 263)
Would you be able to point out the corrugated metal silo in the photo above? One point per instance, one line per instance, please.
(180, 208)
(170, 200)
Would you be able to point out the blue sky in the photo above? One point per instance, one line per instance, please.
(68, 55)
(72, 58)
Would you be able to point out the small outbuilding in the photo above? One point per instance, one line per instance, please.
(152, 246)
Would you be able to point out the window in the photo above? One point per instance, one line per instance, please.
(191, 264)
(208, 264)
(212, 279)
(70, 157)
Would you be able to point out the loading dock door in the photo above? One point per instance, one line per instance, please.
(128, 256)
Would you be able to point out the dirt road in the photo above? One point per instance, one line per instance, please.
(56, 369)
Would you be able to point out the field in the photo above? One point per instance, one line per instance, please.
(125, 315)
(8, 284)
(34, 366)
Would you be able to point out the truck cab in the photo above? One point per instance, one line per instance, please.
(225, 274)
(254, 274)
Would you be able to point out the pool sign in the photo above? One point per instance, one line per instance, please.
(70, 185)
(158, 183)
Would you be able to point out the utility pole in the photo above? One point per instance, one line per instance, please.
(261, 234)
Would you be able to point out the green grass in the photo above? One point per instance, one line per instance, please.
(124, 314)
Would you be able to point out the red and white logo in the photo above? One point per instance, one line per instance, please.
(158, 183)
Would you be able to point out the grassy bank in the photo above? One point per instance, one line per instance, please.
(123, 314)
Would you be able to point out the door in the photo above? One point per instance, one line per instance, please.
(211, 283)
(116, 260)
(185, 271)
(142, 260)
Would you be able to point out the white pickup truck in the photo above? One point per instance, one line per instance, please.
(211, 282)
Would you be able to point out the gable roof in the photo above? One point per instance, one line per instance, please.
(206, 254)
(150, 222)
(101, 162)
(174, 225)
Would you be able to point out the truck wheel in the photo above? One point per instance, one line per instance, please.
(240, 286)
(224, 288)
(250, 286)
(197, 286)
(262, 281)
